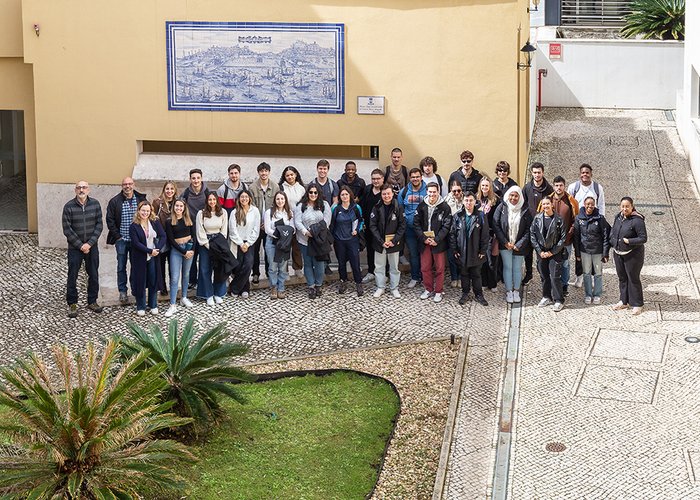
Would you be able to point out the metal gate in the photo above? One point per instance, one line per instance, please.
(594, 12)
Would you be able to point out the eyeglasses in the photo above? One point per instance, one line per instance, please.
(82, 187)
(466, 160)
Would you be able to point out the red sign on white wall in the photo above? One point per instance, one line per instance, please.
(555, 51)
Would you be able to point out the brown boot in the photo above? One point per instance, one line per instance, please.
(273, 293)
(282, 295)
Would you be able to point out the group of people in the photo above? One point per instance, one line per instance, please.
(481, 231)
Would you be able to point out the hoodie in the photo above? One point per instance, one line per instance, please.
(436, 218)
(409, 199)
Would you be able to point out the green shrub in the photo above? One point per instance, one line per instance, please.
(86, 432)
(662, 19)
(196, 373)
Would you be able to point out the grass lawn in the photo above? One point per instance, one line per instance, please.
(299, 437)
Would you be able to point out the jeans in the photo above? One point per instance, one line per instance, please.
(512, 269)
(206, 288)
(179, 266)
(592, 262)
(92, 264)
(262, 239)
(454, 266)
(380, 262)
(414, 257)
(123, 250)
(241, 280)
(432, 267)
(313, 269)
(277, 271)
(550, 272)
(565, 270)
(150, 285)
(348, 250)
(629, 270)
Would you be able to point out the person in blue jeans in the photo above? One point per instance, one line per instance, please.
(592, 246)
(181, 235)
(211, 220)
(311, 210)
(278, 214)
(409, 199)
(147, 240)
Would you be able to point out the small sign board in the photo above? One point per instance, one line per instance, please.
(555, 51)
(370, 105)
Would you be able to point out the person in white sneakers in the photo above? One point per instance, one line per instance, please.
(243, 231)
(211, 220)
(511, 224)
(181, 235)
(387, 225)
(548, 235)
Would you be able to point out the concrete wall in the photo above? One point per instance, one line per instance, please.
(688, 107)
(637, 74)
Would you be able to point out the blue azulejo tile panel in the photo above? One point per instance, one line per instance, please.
(277, 67)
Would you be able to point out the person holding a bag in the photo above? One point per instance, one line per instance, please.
(163, 208)
(346, 228)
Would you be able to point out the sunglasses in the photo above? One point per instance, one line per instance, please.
(501, 170)
(466, 160)
(455, 191)
(313, 192)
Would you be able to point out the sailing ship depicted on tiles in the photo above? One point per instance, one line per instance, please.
(283, 67)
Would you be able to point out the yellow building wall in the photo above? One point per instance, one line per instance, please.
(447, 69)
(10, 28)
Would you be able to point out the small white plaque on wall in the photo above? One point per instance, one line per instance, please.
(370, 105)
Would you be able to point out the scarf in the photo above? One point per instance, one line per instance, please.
(513, 213)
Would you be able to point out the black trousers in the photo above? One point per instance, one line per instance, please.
(194, 274)
(348, 251)
(163, 278)
(260, 242)
(92, 264)
(241, 280)
(550, 272)
(528, 263)
(471, 276)
(369, 248)
(629, 270)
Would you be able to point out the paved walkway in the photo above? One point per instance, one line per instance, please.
(617, 393)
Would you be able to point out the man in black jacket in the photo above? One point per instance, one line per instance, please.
(548, 237)
(533, 192)
(387, 225)
(120, 215)
(469, 242)
(82, 225)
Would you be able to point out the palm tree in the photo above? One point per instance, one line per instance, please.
(86, 432)
(197, 372)
(662, 19)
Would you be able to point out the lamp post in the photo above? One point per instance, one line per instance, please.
(527, 49)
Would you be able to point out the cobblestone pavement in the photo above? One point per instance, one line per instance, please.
(618, 391)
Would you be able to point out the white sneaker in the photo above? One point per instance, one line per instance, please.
(494, 289)
(558, 306)
(516, 296)
(378, 293)
(186, 302)
(455, 284)
(437, 298)
(587, 300)
(395, 293)
(368, 277)
(636, 311)
(171, 310)
(218, 299)
(154, 311)
(544, 302)
(141, 312)
(210, 301)
(245, 295)
(403, 260)
(509, 297)
(596, 300)
(619, 306)
(578, 282)
(425, 295)
(412, 284)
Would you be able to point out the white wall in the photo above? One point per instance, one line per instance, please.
(687, 109)
(639, 74)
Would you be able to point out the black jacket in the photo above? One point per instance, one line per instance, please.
(379, 226)
(82, 223)
(223, 263)
(470, 183)
(114, 215)
(591, 234)
(633, 228)
(553, 241)
(321, 241)
(284, 235)
(440, 224)
(473, 245)
(533, 195)
(501, 228)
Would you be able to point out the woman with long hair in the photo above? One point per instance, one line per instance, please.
(163, 206)
(311, 210)
(243, 231)
(211, 220)
(181, 236)
(277, 215)
(511, 223)
(346, 224)
(488, 201)
(147, 238)
(627, 238)
(293, 187)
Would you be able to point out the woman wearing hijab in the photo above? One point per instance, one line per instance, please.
(591, 246)
(511, 224)
(627, 238)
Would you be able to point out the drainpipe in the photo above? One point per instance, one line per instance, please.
(540, 74)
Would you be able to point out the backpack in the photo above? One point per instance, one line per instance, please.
(404, 173)
(577, 186)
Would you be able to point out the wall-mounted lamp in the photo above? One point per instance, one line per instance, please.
(36, 29)
(536, 3)
(527, 49)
